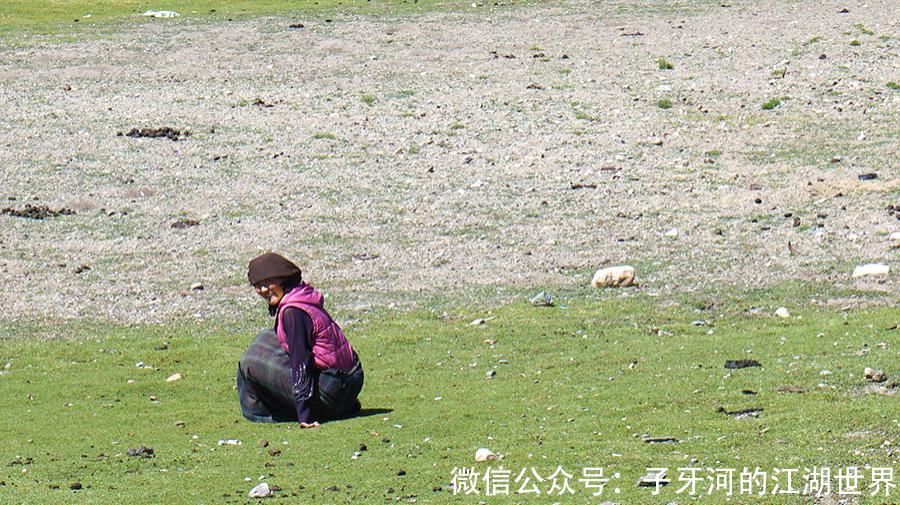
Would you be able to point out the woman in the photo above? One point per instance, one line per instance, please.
(304, 368)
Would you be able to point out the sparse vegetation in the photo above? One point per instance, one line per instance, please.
(893, 85)
(771, 104)
(324, 136)
(368, 100)
(664, 103)
(863, 29)
(664, 64)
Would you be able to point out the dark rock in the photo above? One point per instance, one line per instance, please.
(76, 486)
(867, 177)
(184, 223)
(141, 452)
(741, 363)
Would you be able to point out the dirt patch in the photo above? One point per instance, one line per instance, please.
(407, 157)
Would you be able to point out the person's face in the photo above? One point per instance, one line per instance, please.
(271, 291)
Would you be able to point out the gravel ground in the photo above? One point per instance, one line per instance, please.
(501, 147)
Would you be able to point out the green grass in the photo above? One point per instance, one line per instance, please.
(665, 103)
(324, 136)
(368, 100)
(576, 385)
(771, 104)
(664, 64)
(58, 17)
(893, 85)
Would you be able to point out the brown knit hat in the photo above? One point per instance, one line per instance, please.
(272, 266)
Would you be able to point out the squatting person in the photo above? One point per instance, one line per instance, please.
(303, 369)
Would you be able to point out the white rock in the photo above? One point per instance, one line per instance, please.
(617, 277)
(483, 454)
(174, 377)
(161, 14)
(230, 441)
(782, 313)
(196, 286)
(261, 491)
(872, 269)
(672, 233)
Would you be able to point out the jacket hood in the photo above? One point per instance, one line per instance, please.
(304, 293)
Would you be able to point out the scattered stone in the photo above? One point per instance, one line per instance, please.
(790, 389)
(654, 477)
(873, 375)
(163, 132)
(741, 414)
(491, 374)
(161, 14)
(542, 299)
(735, 364)
(162, 347)
(783, 312)
(616, 277)
(483, 454)
(230, 441)
(401, 472)
(184, 223)
(262, 490)
(174, 377)
(749, 392)
(295, 26)
(141, 452)
(197, 286)
(259, 102)
(477, 322)
(660, 440)
(274, 453)
(76, 486)
(37, 212)
(20, 461)
(871, 270)
(871, 176)
(263, 443)
(180, 424)
(673, 233)
(579, 185)
(331, 488)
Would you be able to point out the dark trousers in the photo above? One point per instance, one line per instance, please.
(265, 391)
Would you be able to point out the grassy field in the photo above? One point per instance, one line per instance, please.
(577, 385)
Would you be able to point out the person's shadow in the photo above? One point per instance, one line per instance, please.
(361, 413)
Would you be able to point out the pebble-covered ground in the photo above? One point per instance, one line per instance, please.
(711, 145)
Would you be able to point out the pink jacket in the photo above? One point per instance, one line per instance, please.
(330, 347)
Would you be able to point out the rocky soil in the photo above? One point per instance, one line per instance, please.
(398, 158)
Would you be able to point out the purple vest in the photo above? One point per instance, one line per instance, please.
(330, 347)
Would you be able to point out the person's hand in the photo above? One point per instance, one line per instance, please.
(309, 425)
